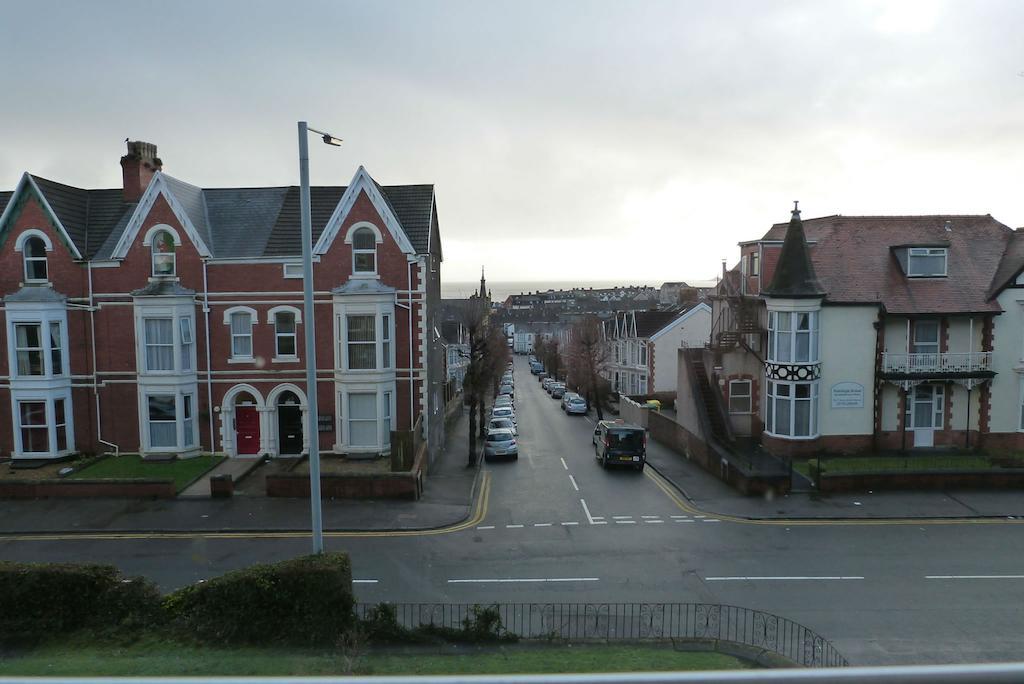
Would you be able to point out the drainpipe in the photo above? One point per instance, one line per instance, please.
(412, 381)
(95, 370)
(209, 368)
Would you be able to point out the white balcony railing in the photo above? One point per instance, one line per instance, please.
(951, 362)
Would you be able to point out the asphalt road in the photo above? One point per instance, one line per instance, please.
(560, 528)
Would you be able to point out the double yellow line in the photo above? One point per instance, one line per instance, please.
(671, 492)
(479, 513)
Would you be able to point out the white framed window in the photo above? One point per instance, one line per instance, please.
(56, 349)
(187, 343)
(791, 409)
(643, 354)
(34, 254)
(35, 433)
(793, 336)
(364, 251)
(241, 335)
(60, 420)
(755, 264)
(284, 335)
(385, 412)
(385, 335)
(293, 271)
(28, 347)
(643, 384)
(362, 419)
(926, 262)
(188, 423)
(162, 249)
(740, 396)
(159, 343)
(162, 420)
(362, 343)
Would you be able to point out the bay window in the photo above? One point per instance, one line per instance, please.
(163, 424)
(793, 336)
(188, 423)
(362, 420)
(34, 430)
(29, 348)
(791, 409)
(187, 343)
(386, 341)
(159, 344)
(362, 345)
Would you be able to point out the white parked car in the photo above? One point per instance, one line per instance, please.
(503, 424)
(504, 412)
(500, 443)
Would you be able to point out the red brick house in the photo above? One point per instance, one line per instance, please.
(164, 318)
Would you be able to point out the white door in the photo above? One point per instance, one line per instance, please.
(926, 413)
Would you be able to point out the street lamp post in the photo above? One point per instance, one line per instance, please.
(312, 422)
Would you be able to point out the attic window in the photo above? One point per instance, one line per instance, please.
(163, 254)
(926, 262)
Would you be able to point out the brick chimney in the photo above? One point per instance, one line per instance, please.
(138, 167)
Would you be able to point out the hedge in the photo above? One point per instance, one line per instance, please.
(304, 601)
(41, 600)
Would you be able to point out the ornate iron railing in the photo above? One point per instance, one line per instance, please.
(950, 362)
(634, 621)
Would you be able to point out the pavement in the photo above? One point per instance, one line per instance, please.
(448, 493)
(712, 496)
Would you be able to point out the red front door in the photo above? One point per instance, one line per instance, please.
(247, 429)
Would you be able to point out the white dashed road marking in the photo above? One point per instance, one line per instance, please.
(505, 580)
(485, 527)
(570, 523)
(653, 522)
(365, 581)
(974, 577)
(513, 527)
(542, 524)
(781, 579)
(574, 485)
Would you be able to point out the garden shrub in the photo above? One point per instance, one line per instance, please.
(304, 601)
(42, 600)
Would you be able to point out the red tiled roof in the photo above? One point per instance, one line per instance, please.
(854, 260)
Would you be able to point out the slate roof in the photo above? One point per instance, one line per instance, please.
(794, 273)
(855, 261)
(233, 222)
(35, 294)
(1011, 264)
(650, 322)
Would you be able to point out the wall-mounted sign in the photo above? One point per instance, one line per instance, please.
(847, 395)
(325, 422)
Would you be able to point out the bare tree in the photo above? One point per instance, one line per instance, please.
(475, 384)
(588, 360)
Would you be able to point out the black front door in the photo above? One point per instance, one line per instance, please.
(289, 429)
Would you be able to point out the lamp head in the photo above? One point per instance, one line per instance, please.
(331, 140)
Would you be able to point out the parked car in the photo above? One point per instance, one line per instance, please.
(545, 383)
(507, 390)
(576, 406)
(557, 390)
(503, 424)
(566, 397)
(500, 443)
(504, 412)
(542, 375)
(503, 400)
(620, 443)
(536, 368)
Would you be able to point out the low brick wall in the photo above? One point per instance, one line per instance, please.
(632, 412)
(87, 489)
(406, 485)
(382, 486)
(994, 479)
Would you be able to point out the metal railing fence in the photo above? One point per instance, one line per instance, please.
(632, 621)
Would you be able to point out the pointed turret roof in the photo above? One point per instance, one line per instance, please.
(483, 284)
(794, 274)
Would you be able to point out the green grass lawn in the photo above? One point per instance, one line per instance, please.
(182, 471)
(897, 463)
(161, 659)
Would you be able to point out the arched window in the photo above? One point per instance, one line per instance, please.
(163, 254)
(364, 251)
(35, 260)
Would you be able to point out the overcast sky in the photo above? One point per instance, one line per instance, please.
(566, 140)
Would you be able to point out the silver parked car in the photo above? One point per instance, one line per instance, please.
(503, 424)
(500, 443)
(576, 406)
(557, 390)
(504, 412)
